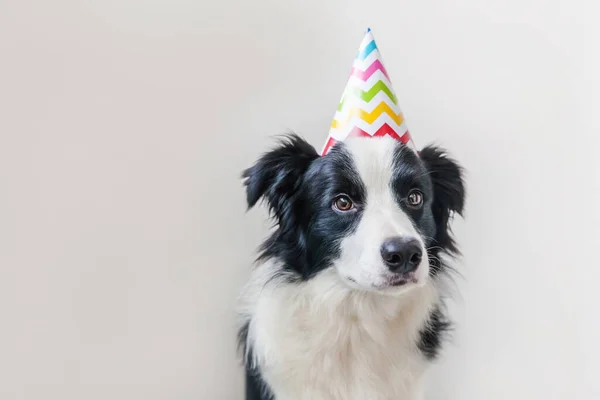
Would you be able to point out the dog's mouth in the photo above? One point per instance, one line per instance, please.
(398, 281)
(403, 280)
(391, 282)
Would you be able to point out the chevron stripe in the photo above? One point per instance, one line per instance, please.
(345, 123)
(365, 126)
(364, 53)
(370, 59)
(385, 129)
(369, 83)
(366, 74)
(380, 86)
(368, 117)
(351, 101)
(340, 134)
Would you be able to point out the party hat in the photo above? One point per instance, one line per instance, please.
(369, 106)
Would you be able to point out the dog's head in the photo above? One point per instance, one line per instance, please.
(371, 208)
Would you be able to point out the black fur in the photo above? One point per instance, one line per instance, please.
(432, 334)
(298, 186)
(449, 193)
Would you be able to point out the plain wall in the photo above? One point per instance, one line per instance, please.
(124, 239)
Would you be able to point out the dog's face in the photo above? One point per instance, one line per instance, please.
(371, 208)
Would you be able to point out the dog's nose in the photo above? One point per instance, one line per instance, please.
(401, 255)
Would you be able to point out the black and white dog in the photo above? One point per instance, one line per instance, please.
(345, 301)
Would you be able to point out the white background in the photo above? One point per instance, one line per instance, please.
(124, 125)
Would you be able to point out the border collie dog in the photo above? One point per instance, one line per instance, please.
(345, 301)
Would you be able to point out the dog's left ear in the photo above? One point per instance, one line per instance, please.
(277, 175)
(449, 192)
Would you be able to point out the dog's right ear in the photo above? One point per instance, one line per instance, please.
(277, 175)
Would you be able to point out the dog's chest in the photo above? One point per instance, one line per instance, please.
(352, 348)
(345, 362)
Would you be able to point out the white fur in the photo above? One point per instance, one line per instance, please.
(332, 338)
(321, 340)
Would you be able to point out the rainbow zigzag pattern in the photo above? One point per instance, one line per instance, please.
(368, 106)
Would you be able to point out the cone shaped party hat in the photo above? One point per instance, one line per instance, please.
(369, 106)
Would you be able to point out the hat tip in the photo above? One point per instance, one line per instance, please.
(368, 30)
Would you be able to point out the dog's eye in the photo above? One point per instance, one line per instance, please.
(415, 198)
(343, 203)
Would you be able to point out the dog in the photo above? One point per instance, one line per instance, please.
(345, 302)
